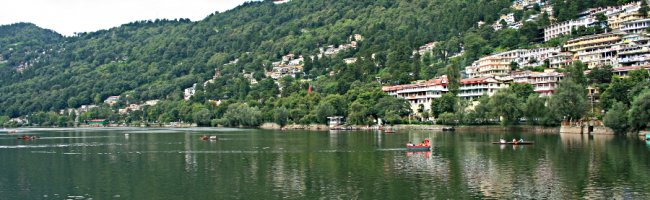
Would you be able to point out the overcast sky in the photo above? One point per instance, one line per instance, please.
(69, 16)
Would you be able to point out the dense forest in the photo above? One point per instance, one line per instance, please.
(42, 72)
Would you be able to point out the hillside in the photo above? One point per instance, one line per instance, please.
(234, 54)
(155, 59)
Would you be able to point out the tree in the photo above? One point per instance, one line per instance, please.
(506, 105)
(522, 90)
(281, 116)
(324, 110)
(358, 114)
(240, 114)
(535, 109)
(202, 117)
(446, 103)
(569, 101)
(616, 118)
(639, 113)
(576, 73)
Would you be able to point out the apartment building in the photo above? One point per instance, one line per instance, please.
(474, 88)
(596, 50)
(564, 28)
(636, 26)
(421, 93)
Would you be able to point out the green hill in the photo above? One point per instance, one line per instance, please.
(157, 59)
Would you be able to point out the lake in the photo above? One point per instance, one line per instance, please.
(261, 164)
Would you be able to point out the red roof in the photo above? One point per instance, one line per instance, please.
(474, 80)
(630, 68)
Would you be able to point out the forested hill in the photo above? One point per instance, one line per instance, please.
(157, 59)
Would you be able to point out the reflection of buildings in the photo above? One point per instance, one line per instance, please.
(190, 159)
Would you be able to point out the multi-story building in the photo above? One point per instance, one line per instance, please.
(616, 19)
(623, 71)
(474, 88)
(536, 57)
(636, 26)
(634, 54)
(564, 28)
(545, 83)
(422, 93)
(560, 60)
(595, 50)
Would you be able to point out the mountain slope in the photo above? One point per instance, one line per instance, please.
(157, 59)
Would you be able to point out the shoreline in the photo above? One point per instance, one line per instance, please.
(598, 130)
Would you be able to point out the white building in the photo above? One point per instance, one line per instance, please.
(546, 83)
(564, 28)
(422, 93)
(474, 88)
(189, 92)
(636, 26)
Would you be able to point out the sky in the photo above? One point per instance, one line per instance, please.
(69, 16)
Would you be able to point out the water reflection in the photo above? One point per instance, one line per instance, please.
(323, 165)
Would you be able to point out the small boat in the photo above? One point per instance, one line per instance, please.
(209, 138)
(418, 148)
(389, 130)
(27, 137)
(515, 143)
(448, 128)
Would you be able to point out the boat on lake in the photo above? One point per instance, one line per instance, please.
(27, 137)
(424, 146)
(418, 148)
(448, 128)
(515, 143)
(209, 138)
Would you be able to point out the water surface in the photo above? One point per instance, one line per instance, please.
(258, 164)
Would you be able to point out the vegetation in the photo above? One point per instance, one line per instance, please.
(157, 59)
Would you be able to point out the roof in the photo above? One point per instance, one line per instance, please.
(442, 81)
(477, 80)
(630, 68)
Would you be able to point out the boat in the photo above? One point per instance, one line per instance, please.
(389, 131)
(418, 148)
(424, 146)
(515, 143)
(27, 137)
(448, 128)
(209, 138)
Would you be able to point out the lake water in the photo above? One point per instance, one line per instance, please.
(258, 164)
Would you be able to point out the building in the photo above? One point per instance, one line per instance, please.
(536, 57)
(151, 102)
(421, 93)
(636, 26)
(335, 121)
(112, 100)
(596, 50)
(560, 60)
(545, 83)
(494, 65)
(474, 88)
(634, 54)
(189, 92)
(623, 71)
(350, 60)
(564, 28)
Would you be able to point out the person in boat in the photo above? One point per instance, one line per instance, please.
(410, 144)
(521, 140)
(204, 137)
(502, 141)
